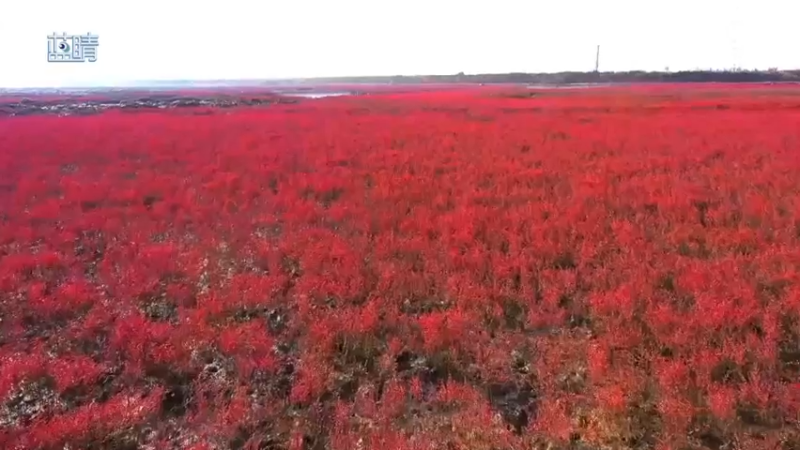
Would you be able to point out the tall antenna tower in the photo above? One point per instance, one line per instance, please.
(597, 60)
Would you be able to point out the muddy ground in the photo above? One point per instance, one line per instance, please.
(82, 105)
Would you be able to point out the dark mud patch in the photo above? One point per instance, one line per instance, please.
(30, 401)
(516, 402)
(81, 106)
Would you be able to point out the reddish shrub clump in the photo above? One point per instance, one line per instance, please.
(455, 269)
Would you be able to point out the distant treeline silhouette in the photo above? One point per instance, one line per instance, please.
(690, 76)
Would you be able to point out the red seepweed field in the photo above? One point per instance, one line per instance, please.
(478, 269)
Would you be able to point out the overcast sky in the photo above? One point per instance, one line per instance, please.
(181, 39)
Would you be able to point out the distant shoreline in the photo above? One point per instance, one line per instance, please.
(558, 79)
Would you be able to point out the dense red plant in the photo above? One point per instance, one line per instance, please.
(456, 268)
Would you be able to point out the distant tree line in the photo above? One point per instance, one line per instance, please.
(560, 78)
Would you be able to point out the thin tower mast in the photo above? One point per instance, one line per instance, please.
(597, 60)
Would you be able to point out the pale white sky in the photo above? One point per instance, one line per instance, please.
(181, 39)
